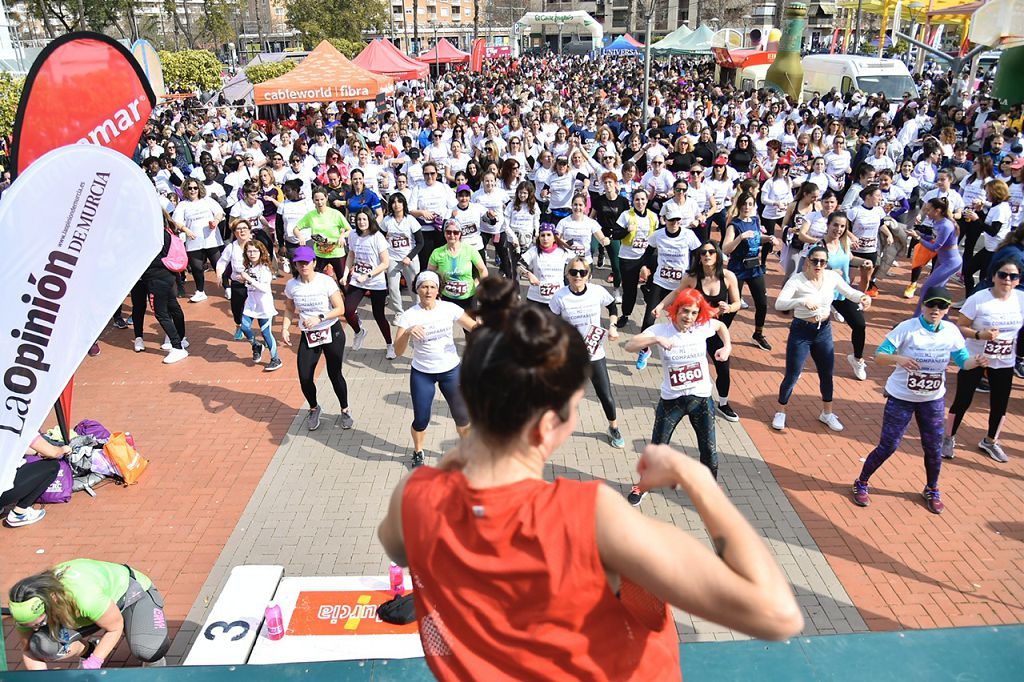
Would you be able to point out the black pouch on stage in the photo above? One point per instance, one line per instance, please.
(398, 611)
(752, 263)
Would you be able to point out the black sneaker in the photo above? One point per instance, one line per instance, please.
(635, 496)
(120, 323)
(729, 413)
(761, 342)
(983, 387)
(1018, 368)
(273, 365)
(257, 352)
(621, 322)
(417, 459)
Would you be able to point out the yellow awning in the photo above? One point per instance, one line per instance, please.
(915, 10)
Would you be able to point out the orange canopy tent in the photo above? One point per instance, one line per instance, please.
(444, 53)
(380, 56)
(325, 75)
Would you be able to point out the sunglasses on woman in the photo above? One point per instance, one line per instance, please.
(1010, 276)
(818, 261)
(941, 305)
(573, 272)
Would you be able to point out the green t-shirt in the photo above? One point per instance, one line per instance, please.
(332, 226)
(95, 584)
(456, 272)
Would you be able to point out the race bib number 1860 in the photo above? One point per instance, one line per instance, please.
(686, 375)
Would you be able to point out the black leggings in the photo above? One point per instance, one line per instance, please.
(630, 283)
(979, 264)
(239, 293)
(766, 243)
(854, 316)
(432, 239)
(140, 297)
(1000, 383)
(308, 358)
(970, 232)
(760, 295)
(378, 300)
(197, 264)
(30, 481)
(166, 308)
(722, 379)
(654, 295)
(603, 386)
(501, 253)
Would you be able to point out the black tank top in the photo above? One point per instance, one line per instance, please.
(714, 299)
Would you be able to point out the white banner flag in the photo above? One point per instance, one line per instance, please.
(80, 226)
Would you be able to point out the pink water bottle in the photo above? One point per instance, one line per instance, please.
(129, 438)
(397, 580)
(275, 621)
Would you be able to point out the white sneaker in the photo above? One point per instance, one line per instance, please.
(140, 345)
(176, 355)
(166, 345)
(357, 340)
(779, 421)
(618, 295)
(227, 293)
(860, 368)
(31, 515)
(198, 297)
(830, 420)
(743, 304)
(390, 354)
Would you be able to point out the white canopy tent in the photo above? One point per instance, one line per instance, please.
(562, 20)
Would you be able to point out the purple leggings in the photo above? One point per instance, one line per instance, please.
(895, 420)
(947, 263)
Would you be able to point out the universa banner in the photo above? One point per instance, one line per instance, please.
(80, 226)
(83, 87)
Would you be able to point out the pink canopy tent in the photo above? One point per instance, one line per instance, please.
(380, 56)
(444, 53)
(633, 40)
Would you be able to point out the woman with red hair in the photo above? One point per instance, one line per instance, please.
(686, 382)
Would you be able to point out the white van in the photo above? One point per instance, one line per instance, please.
(846, 72)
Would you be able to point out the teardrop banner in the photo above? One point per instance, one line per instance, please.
(145, 54)
(81, 225)
(476, 62)
(83, 87)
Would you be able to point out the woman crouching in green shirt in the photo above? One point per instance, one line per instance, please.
(456, 262)
(57, 611)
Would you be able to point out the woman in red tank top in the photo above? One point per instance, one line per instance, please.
(517, 577)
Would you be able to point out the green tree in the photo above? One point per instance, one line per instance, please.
(191, 70)
(10, 95)
(349, 48)
(318, 20)
(258, 73)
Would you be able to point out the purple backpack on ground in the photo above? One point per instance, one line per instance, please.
(60, 490)
(88, 427)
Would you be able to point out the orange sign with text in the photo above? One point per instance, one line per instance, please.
(343, 613)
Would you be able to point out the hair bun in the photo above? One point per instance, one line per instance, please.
(496, 297)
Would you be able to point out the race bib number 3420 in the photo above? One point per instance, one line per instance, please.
(922, 382)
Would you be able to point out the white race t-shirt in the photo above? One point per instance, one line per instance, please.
(197, 216)
(865, 223)
(549, 268)
(436, 352)
(1000, 213)
(366, 250)
(577, 234)
(931, 351)
(988, 312)
(400, 235)
(583, 311)
(684, 368)
(312, 298)
(673, 256)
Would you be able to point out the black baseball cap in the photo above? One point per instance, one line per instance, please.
(937, 294)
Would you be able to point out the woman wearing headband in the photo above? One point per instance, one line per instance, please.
(435, 360)
(58, 610)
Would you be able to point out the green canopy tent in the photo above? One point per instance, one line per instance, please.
(698, 42)
(667, 45)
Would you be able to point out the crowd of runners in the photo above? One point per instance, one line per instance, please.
(543, 171)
